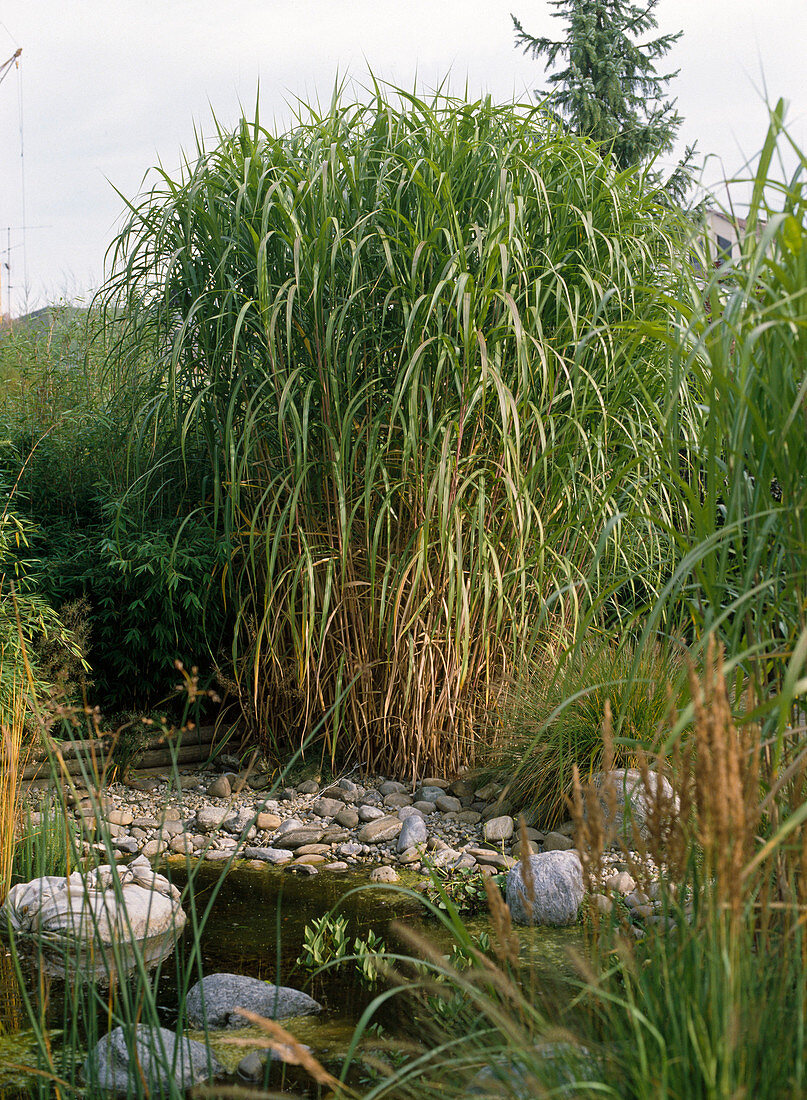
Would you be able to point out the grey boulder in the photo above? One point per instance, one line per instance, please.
(558, 889)
(413, 833)
(116, 1065)
(633, 802)
(213, 1001)
(111, 909)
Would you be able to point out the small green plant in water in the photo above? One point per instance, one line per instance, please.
(463, 887)
(325, 941)
(369, 952)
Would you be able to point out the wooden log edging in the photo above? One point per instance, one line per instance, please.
(93, 756)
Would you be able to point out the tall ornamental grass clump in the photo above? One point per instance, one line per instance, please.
(405, 335)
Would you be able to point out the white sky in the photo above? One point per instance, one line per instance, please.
(111, 87)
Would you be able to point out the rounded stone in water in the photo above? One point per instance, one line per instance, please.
(213, 1001)
(153, 1052)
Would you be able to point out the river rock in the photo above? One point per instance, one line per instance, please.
(118, 817)
(327, 807)
(498, 829)
(213, 1001)
(633, 800)
(413, 832)
(370, 813)
(395, 801)
(407, 811)
(384, 828)
(210, 818)
(428, 794)
(621, 882)
(488, 858)
(182, 845)
(557, 842)
(349, 850)
(347, 817)
(296, 838)
(558, 879)
(391, 786)
(446, 804)
(426, 808)
(241, 822)
(269, 855)
(384, 874)
(308, 786)
(267, 822)
(219, 788)
(159, 1056)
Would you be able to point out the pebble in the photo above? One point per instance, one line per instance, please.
(620, 882)
(557, 842)
(384, 874)
(348, 817)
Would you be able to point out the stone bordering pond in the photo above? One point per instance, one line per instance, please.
(374, 822)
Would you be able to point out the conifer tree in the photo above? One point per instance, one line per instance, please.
(608, 88)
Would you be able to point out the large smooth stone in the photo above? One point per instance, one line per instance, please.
(558, 892)
(159, 1056)
(213, 1001)
(633, 800)
(106, 925)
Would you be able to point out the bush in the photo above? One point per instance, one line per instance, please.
(137, 581)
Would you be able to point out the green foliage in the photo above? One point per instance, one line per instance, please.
(461, 888)
(48, 847)
(35, 643)
(609, 89)
(143, 577)
(554, 714)
(743, 551)
(405, 336)
(326, 942)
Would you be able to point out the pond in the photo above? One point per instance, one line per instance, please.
(256, 926)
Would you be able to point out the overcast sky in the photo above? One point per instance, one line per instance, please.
(110, 87)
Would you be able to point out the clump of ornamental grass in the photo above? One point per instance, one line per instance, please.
(410, 341)
(550, 723)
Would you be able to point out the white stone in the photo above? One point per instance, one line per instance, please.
(90, 909)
